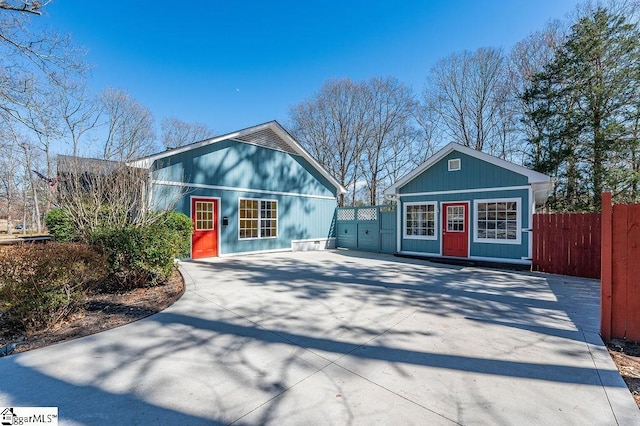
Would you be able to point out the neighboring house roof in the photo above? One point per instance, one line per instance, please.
(268, 135)
(71, 164)
(541, 183)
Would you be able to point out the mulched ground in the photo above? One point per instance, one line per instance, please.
(101, 312)
(626, 356)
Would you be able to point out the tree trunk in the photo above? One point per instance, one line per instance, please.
(33, 190)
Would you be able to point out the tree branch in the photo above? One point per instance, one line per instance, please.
(32, 7)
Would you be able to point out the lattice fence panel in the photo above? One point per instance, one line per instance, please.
(346, 214)
(368, 214)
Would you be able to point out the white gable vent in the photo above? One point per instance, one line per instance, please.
(454, 164)
(269, 139)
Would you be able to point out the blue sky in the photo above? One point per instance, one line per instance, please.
(233, 64)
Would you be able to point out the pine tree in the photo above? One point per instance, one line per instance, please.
(585, 103)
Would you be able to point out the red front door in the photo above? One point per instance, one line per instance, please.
(204, 214)
(455, 229)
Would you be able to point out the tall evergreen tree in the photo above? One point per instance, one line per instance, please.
(585, 104)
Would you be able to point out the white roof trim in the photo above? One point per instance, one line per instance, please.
(532, 176)
(146, 162)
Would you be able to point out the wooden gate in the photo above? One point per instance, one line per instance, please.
(620, 282)
(567, 244)
(370, 228)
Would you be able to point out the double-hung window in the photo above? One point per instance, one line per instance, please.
(498, 221)
(420, 220)
(258, 218)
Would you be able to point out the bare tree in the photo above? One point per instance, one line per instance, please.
(468, 88)
(333, 126)
(79, 111)
(20, 189)
(391, 136)
(427, 117)
(24, 6)
(28, 58)
(9, 177)
(130, 127)
(102, 194)
(364, 133)
(176, 133)
(44, 125)
(30, 192)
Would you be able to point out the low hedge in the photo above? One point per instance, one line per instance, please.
(41, 284)
(143, 256)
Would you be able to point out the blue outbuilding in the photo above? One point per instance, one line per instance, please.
(463, 203)
(254, 190)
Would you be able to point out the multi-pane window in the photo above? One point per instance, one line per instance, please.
(249, 218)
(498, 220)
(204, 216)
(420, 220)
(455, 218)
(258, 218)
(268, 218)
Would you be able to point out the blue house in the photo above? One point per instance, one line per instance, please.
(254, 190)
(462, 203)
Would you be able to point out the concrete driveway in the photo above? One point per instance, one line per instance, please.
(340, 338)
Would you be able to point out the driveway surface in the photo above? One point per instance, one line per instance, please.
(340, 338)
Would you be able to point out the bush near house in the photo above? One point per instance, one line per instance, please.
(144, 255)
(60, 225)
(42, 283)
(138, 255)
(182, 226)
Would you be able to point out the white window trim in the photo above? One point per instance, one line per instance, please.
(452, 161)
(519, 207)
(259, 219)
(435, 220)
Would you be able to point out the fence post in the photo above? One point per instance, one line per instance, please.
(606, 223)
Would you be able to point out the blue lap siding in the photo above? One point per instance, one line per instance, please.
(231, 169)
(237, 164)
(480, 179)
(474, 174)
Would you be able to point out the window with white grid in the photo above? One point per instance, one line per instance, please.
(257, 218)
(420, 220)
(268, 219)
(455, 218)
(498, 221)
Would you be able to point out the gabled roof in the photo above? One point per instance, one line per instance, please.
(532, 176)
(268, 135)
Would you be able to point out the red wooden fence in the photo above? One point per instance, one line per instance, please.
(620, 298)
(567, 244)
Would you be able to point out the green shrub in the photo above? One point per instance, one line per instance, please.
(43, 283)
(142, 256)
(61, 227)
(180, 227)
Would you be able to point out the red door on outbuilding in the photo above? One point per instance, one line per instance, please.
(204, 214)
(455, 229)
